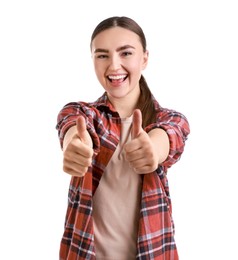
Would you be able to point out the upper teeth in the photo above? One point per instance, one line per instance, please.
(117, 77)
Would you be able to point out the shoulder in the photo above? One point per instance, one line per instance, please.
(79, 107)
(164, 113)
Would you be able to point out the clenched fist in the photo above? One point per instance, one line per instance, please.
(145, 151)
(77, 151)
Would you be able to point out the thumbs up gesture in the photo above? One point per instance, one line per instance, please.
(140, 151)
(78, 151)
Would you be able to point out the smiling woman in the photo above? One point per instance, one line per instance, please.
(118, 66)
(118, 150)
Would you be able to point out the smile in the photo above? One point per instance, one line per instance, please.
(117, 78)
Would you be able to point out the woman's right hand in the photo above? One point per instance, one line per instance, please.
(77, 149)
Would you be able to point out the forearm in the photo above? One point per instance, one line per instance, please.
(160, 142)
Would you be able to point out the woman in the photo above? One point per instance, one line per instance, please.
(117, 150)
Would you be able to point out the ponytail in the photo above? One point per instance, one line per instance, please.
(146, 104)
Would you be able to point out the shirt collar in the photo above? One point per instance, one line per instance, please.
(104, 102)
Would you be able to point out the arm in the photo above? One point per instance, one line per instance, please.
(177, 128)
(159, 138)
(71, 121)
(161, 144)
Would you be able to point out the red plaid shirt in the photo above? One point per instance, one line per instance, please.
(156, 228)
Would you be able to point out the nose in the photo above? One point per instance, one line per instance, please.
(115, 62)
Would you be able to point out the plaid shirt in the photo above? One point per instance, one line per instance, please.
(156, 228)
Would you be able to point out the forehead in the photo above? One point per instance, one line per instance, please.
(115, 37)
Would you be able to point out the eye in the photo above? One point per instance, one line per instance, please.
(101, 56)
(126, 53)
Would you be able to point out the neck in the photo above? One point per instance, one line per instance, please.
(126, 105)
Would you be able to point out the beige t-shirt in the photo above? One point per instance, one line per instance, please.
(116, 206)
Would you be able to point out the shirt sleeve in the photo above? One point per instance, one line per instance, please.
(177, 128)
(67, 118)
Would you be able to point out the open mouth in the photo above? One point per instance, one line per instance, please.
(117, 78)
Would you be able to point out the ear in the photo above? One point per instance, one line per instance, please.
(145, 59)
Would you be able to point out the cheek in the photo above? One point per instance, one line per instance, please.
(136, 68)
(98, 68)
(137, 65)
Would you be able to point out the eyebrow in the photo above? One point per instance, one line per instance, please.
(118, 49)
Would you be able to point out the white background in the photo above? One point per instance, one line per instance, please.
(45, 62)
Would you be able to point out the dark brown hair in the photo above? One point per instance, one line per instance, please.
(145, 102)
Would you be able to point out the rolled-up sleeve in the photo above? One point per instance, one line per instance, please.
(176, 125)
(67, 118)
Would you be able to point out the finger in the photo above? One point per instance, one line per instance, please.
(136, 124)
(144, 170)
(75, 169)
(134, 155)
(82, 129)
(83, 158)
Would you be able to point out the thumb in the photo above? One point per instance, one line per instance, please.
(82, 129)
(136, 123)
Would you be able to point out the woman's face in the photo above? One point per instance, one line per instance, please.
(119, 59)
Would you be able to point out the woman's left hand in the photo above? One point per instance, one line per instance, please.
(140, 151)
